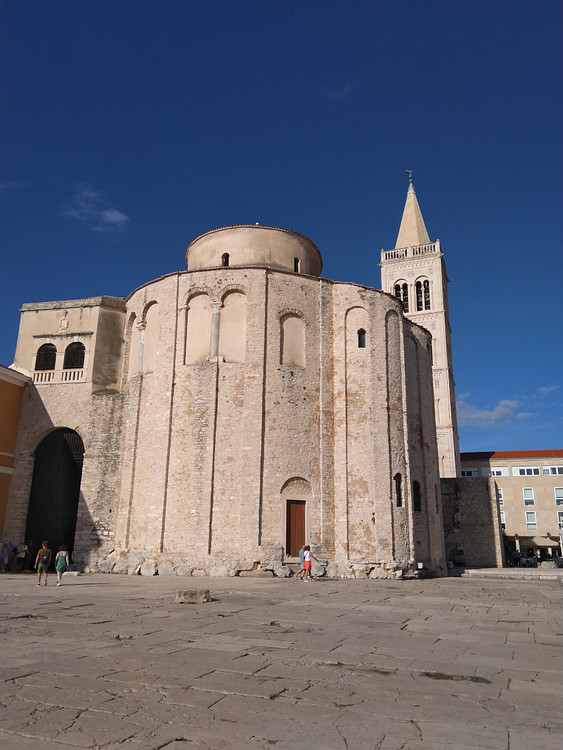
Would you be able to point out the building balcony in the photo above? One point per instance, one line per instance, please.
(41, 377)
(414, 251)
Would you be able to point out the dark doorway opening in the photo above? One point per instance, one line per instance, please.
(55, 490)
(295, 527)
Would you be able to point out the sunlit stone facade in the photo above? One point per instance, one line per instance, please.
(232, 412)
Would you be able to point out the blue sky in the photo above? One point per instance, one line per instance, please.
(129, 127)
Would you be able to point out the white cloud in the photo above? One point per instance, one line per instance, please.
(91, 208)
(85, 205)
(111, 218)
(13, 188)
(472, 417)
(339, 93)
(548, 389)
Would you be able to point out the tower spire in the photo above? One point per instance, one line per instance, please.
(412, 231)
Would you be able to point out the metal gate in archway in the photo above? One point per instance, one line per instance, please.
(55, 490)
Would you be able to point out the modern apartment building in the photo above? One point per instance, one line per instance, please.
(530, 489)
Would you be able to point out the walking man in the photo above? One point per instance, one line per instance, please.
(42, 562)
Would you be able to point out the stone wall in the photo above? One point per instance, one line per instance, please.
(471, 522)
(188, 467)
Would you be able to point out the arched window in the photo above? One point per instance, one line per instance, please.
(74, 356)
(296, 265)
(416, 496)
(225, 259)
(402, 293)
(46, 357)
(361, 338)
(422, 295)
(418, 296)
(292, 340)
(198, 329)
(232, 330)
(150, 338)
(427, 295)
(405, 297)
(398, 490)
(133, 338)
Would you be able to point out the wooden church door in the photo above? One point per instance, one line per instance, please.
(295, 527)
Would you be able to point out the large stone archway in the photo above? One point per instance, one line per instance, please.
(55, 489)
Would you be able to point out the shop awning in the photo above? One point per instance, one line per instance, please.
(539, 541)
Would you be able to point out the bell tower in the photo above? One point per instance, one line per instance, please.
(415, 273)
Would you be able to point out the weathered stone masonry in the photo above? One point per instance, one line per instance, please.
(235, 394)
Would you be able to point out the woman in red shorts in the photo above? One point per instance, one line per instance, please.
(307, 555)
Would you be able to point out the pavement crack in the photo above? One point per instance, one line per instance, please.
(455, 677)
(418, 729)
(342, 737)
(27, 616)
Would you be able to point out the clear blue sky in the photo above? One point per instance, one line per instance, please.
(129, 127)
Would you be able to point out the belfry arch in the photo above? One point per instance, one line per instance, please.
(55, 489)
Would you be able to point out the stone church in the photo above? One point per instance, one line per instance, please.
(220, 417)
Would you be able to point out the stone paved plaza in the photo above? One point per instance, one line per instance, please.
(113, 662)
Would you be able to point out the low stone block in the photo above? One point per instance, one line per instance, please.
(378, 573)
(148, 568)
(256, 573)
(192, 596)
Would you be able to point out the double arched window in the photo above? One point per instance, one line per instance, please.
(46, 361)
(421, 294)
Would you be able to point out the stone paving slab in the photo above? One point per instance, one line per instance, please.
(112, 663)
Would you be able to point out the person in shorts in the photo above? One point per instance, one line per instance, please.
(301, 568)
(307, 555)
(42, 562)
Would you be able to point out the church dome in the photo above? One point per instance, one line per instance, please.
(254, 245)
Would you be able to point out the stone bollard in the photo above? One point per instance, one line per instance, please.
(192, 596)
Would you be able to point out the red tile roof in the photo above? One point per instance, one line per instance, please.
(488, 455)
